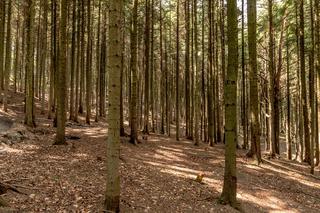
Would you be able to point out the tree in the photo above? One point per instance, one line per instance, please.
(229, 192)
(73, 61)
(254, 99)
(187, 67)
(273, 124)
(29, 107)
(61, 84)
(88, 65)
(147, 68)
(197, 89)
(177, 73)
(289, 142)
(112, 199)
(8, 59)
(303, 84)
(2, 38)
(243, 67)
(134, 67)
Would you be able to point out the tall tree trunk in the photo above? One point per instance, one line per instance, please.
(289, 141)
(317, 82)
(147, 69)
(254, 99)
(29, 116)
(229, 192)
(43, 63)
(162, 91)
(112, 199)
(274, 120)
(17, 53)
(210, 77)
(303, 85)
(62, 70)
(196, 74)
(244, 93)
(73, 60)
(177, 73)
(187, 66)
(2, 38)
(134, 71)
(8, 59)
(88, 65)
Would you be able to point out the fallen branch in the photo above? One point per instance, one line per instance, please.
(6, 187)
(14, 180)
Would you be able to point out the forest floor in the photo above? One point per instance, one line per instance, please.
(158, 175)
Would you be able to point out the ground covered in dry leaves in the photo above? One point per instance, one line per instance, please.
(157, 175)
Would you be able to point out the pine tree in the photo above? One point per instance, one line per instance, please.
(134, 71)
(254, 99)
(29, 116)
(62, 70)
(112, 199)
(7, 70)
(2, 39)
(229, 191)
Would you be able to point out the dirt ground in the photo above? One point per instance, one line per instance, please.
(157, 175)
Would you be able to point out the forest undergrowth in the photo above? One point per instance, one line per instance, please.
(157, 175)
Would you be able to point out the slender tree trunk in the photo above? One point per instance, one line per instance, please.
(112, 199)
(210, 78)
(29, 116)
(289, 142)
(17, 53)
(229, 192)
(8, 59)
(273, 125)
(197, 83)
(147, 69)
(187, 66)
(254, 99)
(2, 38)
(43, 63)
(73, 60)
(61, 87)
(317, 81)
(177, 73)
(244, 109)
(134, 71)
(307, 157)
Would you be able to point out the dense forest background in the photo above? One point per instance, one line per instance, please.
(235, 78)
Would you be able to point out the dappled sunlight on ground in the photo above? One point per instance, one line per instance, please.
(158, 175)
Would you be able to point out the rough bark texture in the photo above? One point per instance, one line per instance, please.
(134, 71)
(8, 59)
(303, 85)
(229, 191)
(254, 99)
(177, 75)
(29, 116)
(112, 199)
(61, 87)
(2, 32)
